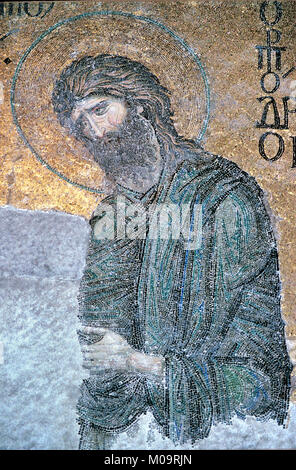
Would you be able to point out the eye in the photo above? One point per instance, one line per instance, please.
(100, 109)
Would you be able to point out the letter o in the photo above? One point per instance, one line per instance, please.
(277, 82)
(279, 13)
(280, 151)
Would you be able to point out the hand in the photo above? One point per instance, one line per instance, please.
(110, 352)
(114, 352)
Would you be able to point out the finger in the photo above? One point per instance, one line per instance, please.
(97, 364)
(88, 365)
(101, 350)
(104, 340)
(88, 362)
(101, 356)
(92, 329)
(114, 338)
(101, 353)
(89, 356)
(92, 348)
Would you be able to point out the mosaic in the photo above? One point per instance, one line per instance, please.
(169, 127)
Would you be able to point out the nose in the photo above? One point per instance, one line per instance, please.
(95, 128)
(100, 131)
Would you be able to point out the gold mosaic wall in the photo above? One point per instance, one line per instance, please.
(223, 34)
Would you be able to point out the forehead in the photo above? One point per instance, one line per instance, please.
(90, 102)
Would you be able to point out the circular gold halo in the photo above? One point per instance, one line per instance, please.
(115, 33)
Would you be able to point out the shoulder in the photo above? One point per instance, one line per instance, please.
(219, 169)
(243, 210)
(216, 178)
(225, 189)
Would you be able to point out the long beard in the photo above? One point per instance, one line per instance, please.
(127, 152)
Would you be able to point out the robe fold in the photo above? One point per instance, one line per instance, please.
(212, 312)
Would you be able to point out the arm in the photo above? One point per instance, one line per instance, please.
(234, 359)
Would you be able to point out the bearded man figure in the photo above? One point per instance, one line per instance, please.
(193, 335)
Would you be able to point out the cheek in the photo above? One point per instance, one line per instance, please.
(107, 122)
(116, 115)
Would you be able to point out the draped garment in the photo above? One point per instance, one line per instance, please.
(213, 312)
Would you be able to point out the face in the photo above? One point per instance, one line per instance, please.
(120, 139)
(97, 116)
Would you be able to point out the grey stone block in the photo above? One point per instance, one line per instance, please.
(42, 244)
(42, 364)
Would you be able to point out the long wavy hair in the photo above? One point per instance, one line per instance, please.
(125, 79)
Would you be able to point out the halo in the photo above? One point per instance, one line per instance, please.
(139, 38)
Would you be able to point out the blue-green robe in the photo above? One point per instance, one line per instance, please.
(213, 313)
